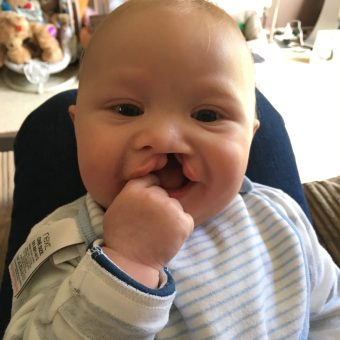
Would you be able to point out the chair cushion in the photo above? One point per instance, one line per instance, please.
(323, 198)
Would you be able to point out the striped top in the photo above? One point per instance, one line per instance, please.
(254, 271)
(240, 275)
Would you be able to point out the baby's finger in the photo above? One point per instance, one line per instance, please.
(145, 181)
(190, 223)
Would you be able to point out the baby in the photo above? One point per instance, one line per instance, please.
(164, 120)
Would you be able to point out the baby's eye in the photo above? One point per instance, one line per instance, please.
(206, 115)
(129, 110)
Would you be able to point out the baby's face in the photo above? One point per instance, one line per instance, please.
(166, 93)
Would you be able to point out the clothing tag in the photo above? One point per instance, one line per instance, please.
(38, 248)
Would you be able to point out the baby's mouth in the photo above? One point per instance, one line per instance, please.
(171, 176)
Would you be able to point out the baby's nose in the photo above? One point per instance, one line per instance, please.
(163, 137)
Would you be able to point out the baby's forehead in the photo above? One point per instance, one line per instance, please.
(211, 16)
(134, 15)
(166, 8)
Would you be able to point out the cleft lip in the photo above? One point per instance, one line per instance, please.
(172, 169)
(186, 168)
(175, 175)
(149, 167)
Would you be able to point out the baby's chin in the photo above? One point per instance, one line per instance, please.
(205, 212)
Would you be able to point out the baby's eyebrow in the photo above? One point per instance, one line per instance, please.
(221, 90)
(129, 74)
(127, 78)
(218, 84)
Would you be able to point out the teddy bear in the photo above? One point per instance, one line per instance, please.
(20, 40)
(14, 29)
(51, 51)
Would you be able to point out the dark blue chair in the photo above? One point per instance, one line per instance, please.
(47, 174)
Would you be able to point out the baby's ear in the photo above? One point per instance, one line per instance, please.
(256, 126)
(72, 111)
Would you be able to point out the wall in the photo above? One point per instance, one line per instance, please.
(305, 10)
(237, 6)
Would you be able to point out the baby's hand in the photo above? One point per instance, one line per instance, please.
(144, 229)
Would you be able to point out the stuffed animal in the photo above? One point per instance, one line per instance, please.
(54, 14)
(62, 22)
(20, 40)
(30, 9)
(51, 51)
(14, 29)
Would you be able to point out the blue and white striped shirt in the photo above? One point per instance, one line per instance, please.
(254, 271)
(241, 275)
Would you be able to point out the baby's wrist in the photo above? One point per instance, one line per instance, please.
(144, 274)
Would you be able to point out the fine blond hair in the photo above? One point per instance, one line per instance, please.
(182, 6)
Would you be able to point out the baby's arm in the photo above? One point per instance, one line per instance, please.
(65, 302)
(69, 298)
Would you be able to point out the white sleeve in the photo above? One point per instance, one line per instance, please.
(76, 299)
